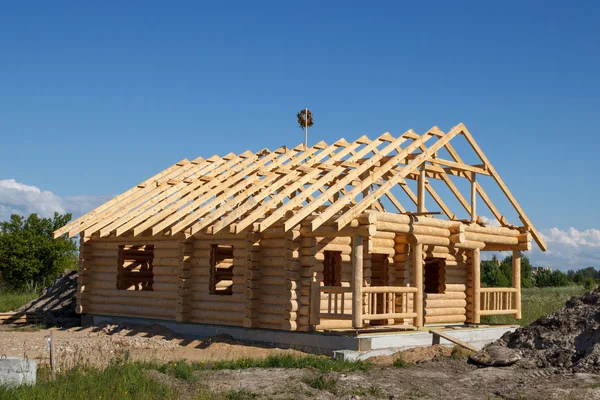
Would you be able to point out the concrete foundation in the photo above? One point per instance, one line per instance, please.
(16, 371)
(340, 345)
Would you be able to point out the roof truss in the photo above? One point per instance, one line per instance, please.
(256, 190)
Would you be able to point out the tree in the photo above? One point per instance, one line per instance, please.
(29, 256)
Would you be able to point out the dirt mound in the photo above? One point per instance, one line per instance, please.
(568, 338)
(57, 302)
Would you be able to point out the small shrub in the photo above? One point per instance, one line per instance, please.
(323, 382)
(400, 363)
(460, 353)
(373, 391)
(242, 394)
(179, 369)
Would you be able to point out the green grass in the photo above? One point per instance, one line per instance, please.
(323, 382)
(183, 370)
(10, 300)
(400, 363)
(537, 302)
(118, 381)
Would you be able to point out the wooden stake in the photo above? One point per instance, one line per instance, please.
(516, 281)
(52, 355)
(357, 281)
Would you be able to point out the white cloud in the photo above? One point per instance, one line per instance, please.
(489, 221)
(18, 198)
(569, 249)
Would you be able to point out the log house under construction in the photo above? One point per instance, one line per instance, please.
(305, 239)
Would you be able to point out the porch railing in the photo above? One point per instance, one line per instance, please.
(335, 302)
(497, 301)
(388, 302)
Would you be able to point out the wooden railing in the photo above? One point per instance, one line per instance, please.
(497, 301)
(388, 302)
(338, 302)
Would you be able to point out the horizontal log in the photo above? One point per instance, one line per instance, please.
(344, 249)
(234, 307)
(215, 322)
(455, 287)
(412, 229)
(445, 303)
(444, 311)
(208, 316)
(437, 319)
(168, 262)
(140, 311)
(497, 312)
(327, 324)
(166, 287)
(129, 300)
(491, 239)
(147, 294)
(167, 253)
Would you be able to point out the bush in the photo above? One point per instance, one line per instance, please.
(29, 256)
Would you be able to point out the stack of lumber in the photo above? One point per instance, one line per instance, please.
(20, 318)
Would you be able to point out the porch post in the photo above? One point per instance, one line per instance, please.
(476, 261)
(516, 281)
(418, 274)
(357, 281)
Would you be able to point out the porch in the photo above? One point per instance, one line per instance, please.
(409, 305)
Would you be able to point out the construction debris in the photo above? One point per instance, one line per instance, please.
(566, 339)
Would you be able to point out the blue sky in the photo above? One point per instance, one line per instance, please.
(97, 97)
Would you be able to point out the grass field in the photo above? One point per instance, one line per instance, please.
(537, 302)
(10, 300)
(132, 380)
(123, 380)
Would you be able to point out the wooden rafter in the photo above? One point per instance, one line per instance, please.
(332, 182)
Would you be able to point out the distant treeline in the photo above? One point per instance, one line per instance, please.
(495, 273)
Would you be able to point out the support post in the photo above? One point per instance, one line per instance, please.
(418, 274)
(516, 280)
(315, 301)
(357, 281)
(421, 190)
(476, 260)
(474, 198)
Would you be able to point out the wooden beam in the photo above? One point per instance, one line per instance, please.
(453, 340)
(474, 198)
(297, 186)
(516, 281)
(357, 281)
(421, 190)
(459, 166)
(333, 208)
(364, 203)
(476, 261)
(417, 261)
(522, 216)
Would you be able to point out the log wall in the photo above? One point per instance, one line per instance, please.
(448, 306)
(318, 246)
(98, 270)
(217, 309)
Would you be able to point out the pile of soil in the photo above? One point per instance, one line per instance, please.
(57, 302)
(567, 339)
